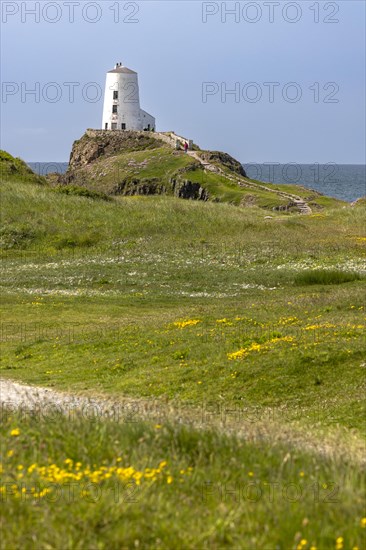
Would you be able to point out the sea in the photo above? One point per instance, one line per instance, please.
(341, 181)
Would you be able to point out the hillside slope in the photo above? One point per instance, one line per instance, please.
(145, 163)
(15, 169)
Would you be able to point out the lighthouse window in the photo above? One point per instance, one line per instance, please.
(123, 126)
(114, 109)
(115, 95)
(114, 125)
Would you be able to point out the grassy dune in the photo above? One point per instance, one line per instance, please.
(207, 306)
(16, 170)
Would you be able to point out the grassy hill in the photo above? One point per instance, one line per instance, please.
(135, 163)
(15, 169)
(250, 329)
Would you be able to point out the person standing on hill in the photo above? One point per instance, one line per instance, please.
(185, 146)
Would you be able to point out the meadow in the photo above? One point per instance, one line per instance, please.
(250, 331)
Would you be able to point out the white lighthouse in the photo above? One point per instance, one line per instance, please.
(121, 109)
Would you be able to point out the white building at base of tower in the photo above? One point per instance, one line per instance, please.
(122, 109)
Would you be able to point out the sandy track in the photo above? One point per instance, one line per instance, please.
(339, 443)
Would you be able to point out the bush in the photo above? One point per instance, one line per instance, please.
(81, 192)
(73, 240)
(325, 277)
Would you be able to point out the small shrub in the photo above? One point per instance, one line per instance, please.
(73, 240)
(16, 236)
(325, 277)
(79, 191)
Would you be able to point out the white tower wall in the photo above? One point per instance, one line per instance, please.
(122, 109)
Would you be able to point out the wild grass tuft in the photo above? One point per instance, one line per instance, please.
(326, 277)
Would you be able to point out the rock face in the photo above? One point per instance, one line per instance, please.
(224, 159)
(185, 189)
(97, 143)
(135, 186)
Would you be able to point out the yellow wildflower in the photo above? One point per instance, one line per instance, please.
(15, 432)
(237, 354)
(254, 347)
(188, 323)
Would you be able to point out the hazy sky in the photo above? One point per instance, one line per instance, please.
(296, 70)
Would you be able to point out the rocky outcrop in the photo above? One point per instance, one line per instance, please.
(135, 186)
(185, 189)
(190, 168)
(224, 159)
(98, 143)
(95, 144)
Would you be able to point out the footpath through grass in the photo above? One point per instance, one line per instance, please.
(167, 298)
(207, 305)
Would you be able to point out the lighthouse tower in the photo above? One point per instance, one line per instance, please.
(122, 109)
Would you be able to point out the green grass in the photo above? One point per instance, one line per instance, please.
(360, 202)
(224, 190)
(120, 274)
(105, 174)
(78, 191)
(15, 169)
(223, 226)
(325, 277)
(197, 305)
(231, 493)
(316, 201)
(127, 344)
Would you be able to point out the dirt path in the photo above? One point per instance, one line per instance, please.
(340, 443)
(297, 201)
(171, 139)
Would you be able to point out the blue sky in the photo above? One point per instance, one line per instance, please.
(313, 51)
